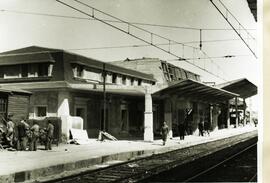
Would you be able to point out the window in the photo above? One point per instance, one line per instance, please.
(79, 71)
(131, 81)
(2, 72)
(41, 111)
(25, 70)
(12, 71)
(43, 69)
(124, 80)
(139, 82)
(114, 77)
(3, 107)
(32, 68)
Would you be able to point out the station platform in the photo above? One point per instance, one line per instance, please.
(68, 159)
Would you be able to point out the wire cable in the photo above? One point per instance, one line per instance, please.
(107, 20)
(131, 25)
(226, 18)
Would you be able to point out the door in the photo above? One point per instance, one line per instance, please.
(81, 112)
(124, 118)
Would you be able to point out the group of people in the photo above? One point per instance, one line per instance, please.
(22, 136)
(202, 126)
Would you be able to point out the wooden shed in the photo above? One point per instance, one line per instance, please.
(15, 102)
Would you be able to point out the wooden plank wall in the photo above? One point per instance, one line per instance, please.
(18, 105)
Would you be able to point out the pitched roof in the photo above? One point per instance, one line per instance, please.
(196, 90)
(253, 8)
(29, 50)
(242, 86)
(36, 54)
(110, 67)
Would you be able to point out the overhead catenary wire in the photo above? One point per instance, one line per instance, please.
(107, 20)
(227, 20)
(141, 39)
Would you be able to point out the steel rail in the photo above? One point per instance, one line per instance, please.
(220, 163)
(145, 167)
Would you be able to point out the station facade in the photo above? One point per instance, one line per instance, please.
(128, 99)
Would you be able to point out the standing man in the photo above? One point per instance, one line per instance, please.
(164, 132)
(49, 138)
(181, 129)
(10, 131)
(35, 136)
(22, 135)
(201, 127)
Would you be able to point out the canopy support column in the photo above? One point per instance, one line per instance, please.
(236, 113)
(148, 117)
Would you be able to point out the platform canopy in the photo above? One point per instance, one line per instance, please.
(196, 90)
(243, 87)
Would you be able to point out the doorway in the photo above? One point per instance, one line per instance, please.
(81, 112)
(124, 118)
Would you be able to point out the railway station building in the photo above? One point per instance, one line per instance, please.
(128, 99)
(180, 94)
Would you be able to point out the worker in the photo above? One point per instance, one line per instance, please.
(10, 131)
(164, 132)
(35, 136)
(201, 127)
(49, 137)
(23, 129)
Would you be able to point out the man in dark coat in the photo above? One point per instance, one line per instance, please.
(22, 127)
(49, 137)
(201, 127)
(181, 129)
(164, 132)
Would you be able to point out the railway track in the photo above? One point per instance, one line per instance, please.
(215, 169)
(143, 168)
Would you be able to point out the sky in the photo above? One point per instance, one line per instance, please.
(20, 29)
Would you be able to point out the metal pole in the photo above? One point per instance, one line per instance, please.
(104, 97)
(200, 39)
(244, 111)
(236, 112)
(228, 115)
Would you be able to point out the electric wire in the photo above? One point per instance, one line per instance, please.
(226, 18)
(243, 28)
(129, 25)
(107, 20)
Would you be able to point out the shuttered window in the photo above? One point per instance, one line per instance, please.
(3, 107)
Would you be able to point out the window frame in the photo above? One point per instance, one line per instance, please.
(36, 111)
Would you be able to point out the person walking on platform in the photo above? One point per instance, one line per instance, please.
(201, 127)
(22, 135)
(164, 132)
(49, 137)
(35, 136)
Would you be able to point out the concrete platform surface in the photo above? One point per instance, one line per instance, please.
(18, 166)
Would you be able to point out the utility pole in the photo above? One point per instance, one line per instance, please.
(104, 97)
